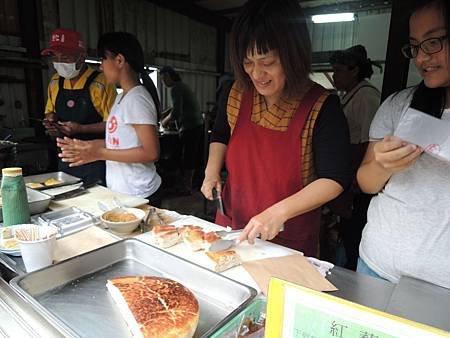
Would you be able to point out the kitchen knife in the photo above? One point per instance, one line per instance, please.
(227, 242)
(74, 193)
(218, 198)
(228, 239)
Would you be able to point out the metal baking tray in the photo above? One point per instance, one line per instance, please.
(38, 202)
(72, 294)
(66, 179)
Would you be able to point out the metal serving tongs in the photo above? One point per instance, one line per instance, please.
(144, 223)
(152, 211)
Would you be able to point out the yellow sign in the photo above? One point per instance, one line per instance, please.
(297, 312)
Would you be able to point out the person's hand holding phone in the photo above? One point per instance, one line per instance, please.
(51, 125)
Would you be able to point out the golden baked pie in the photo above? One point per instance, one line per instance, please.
(155, 306)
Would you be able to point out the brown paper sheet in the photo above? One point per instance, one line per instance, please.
(86, 240)
(294, 268)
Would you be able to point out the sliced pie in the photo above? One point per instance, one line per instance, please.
(209, 238)
(223, 260)
(194, 239)
(165, 236)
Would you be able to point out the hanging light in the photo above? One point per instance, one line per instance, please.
(336, 17)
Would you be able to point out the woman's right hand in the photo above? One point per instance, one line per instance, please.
(210, 182)
(394, 154)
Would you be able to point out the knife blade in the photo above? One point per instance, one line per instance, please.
(218, 198)
(77, 192)
(222, 245)
(228, 239)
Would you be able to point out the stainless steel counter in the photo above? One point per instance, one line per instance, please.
(362, 289)
(422, 302)
(19, 319)
(411, 299)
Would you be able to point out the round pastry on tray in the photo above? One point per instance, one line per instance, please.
(155, 307)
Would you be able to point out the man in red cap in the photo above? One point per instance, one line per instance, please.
(79, 98)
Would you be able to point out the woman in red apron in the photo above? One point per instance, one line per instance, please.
(283, 138)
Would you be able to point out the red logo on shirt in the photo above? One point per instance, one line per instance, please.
(112, 125)
(433, 148)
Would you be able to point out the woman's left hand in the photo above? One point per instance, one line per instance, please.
(77, 152)
(267, 224)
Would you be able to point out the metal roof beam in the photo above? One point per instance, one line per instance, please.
(195, 12)
(349, 6)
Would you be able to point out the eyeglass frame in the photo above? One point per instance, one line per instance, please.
(441, 40)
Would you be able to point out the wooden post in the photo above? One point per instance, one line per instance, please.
(29, 25)
(396, 67)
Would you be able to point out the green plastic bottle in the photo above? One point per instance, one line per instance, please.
(15, 206)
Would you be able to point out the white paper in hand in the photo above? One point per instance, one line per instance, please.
(428, 132)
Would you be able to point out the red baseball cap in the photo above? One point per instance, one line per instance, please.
(67, 41)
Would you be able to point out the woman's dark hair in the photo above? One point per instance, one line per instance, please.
(128, 45)
(171, 72)
(265, 25)
(431, 100)
(355, 56)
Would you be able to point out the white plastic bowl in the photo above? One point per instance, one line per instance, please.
(124, 228)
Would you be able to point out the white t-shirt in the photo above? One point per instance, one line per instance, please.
(137, 179)
(408, 223)
(359, 106)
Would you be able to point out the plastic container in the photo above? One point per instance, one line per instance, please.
(39, 253)
(15, 208)
(255, 312)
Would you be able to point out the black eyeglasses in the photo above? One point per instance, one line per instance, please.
(428, 46)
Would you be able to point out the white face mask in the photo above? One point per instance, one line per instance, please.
(66, 70)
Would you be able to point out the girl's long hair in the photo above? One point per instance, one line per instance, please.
(128, 45)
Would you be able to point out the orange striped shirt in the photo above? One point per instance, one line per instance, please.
(278, 117)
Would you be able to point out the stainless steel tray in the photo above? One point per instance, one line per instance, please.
(38, 202)
(73, 296)
(66, 179)
(68, 220)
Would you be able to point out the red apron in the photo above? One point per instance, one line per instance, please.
(264, 167)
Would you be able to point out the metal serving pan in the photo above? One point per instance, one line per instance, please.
(66, 179)
(38, 202)
(68, 220)
(72, 294)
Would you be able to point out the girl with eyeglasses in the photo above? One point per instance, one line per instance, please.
(408, 222)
